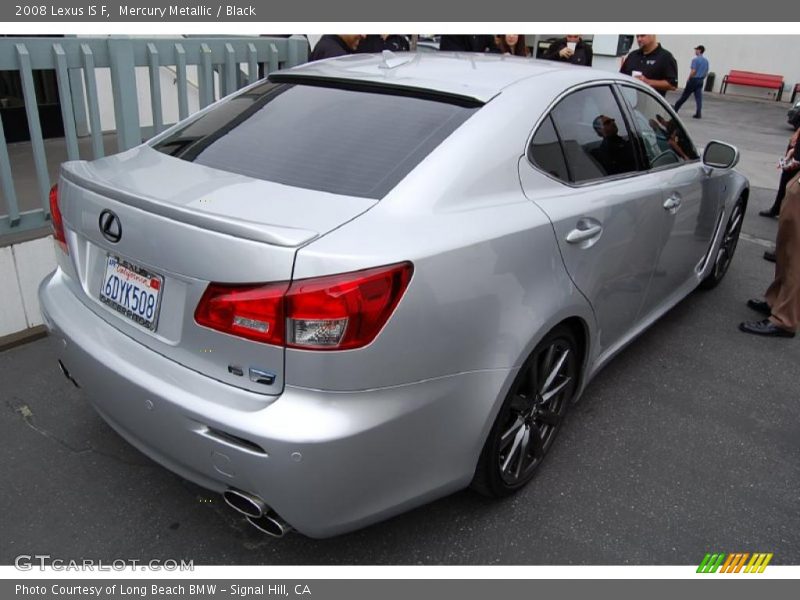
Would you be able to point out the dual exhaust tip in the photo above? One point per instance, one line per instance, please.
(258, 514)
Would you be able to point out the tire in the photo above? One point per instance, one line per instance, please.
(727, 247)
(531, 416)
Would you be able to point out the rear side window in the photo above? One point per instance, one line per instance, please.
(594, 135)
(341, 141)
(545, 151)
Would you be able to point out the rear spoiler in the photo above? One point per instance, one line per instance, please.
(275, 235)
(377, 87)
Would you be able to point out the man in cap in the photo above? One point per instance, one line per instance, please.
(694, 85)
(652, 64)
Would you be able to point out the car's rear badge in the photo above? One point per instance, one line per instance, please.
(110, 226)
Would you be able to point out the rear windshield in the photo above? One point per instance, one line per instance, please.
(341, 141)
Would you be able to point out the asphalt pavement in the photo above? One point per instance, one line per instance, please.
(687, 443)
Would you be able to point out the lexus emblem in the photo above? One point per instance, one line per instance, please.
(110, 226)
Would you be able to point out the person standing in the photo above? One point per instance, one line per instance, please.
(467, 43)
(385, 41)
(330, 46)
(511, 43)
(652, 64)
(781, 304)
(694, 84)
(786, 174)
(571, 49)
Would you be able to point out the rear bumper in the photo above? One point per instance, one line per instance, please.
(327, 462)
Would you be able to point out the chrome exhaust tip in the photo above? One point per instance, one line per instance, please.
(249, 505)
(271, 524)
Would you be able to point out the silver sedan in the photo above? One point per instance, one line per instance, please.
(368, 282)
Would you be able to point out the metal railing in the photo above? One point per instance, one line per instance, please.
(221, 65)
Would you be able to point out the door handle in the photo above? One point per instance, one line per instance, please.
(583, 232)
(673, 203)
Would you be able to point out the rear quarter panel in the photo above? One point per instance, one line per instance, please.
(488, 282)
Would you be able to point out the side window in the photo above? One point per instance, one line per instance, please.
(594, 135)
(545, 151)
(664, 140)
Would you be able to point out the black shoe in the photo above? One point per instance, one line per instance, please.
(770, 256)
(759, 306)
(768, 213)
(765, 327)
(696, 117)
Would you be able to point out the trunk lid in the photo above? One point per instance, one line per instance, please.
(180, 226)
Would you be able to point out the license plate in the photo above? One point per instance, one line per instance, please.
(132, 291)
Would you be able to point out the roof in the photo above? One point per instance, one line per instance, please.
(477, 76)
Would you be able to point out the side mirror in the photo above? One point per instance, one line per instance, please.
(720, 155)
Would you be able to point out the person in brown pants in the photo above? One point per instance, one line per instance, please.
(781, 303)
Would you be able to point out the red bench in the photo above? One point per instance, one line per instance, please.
(773, 82)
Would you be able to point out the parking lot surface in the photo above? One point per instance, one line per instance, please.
(686, 443)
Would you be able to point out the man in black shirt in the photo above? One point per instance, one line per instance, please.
(652, 64)
(329, 46)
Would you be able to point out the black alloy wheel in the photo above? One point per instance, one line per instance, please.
(531, 415)
(727, 248)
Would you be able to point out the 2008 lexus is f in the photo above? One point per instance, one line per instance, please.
(367, 282)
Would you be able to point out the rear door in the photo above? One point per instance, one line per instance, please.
(603, 212)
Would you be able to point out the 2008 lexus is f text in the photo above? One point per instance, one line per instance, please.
(364, 283)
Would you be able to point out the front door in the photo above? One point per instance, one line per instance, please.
(690, 202)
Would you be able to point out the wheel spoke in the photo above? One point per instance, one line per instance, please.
(547, 396)
(554, 371)
(731, 234)
(506, 438)
(523, 450)
(513, 450)
(734, 224)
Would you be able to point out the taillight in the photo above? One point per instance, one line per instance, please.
(345, 311)
(252, 312)
(57, 220)
(337, 312)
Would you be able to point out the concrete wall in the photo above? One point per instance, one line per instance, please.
(22, 268)
(773, 54)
